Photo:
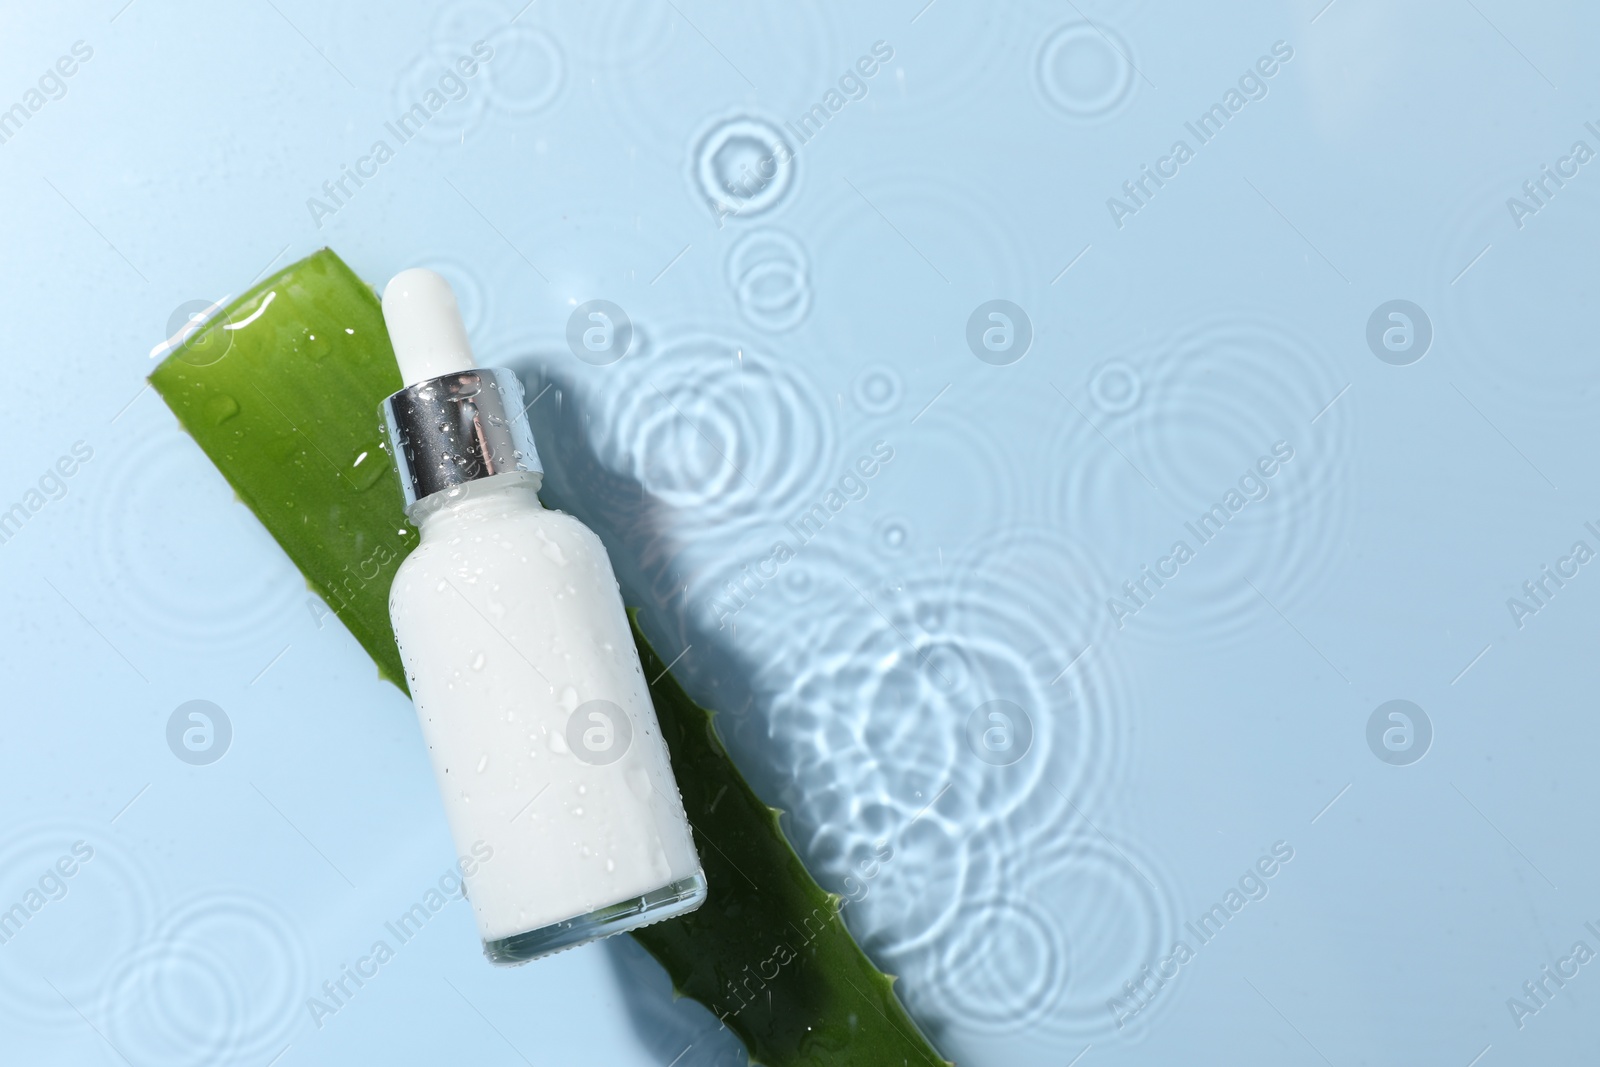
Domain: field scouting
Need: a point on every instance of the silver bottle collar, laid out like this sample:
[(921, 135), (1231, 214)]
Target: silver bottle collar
[(457, 428)]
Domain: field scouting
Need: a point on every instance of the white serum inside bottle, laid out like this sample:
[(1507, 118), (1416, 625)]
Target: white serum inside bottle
[(521, 663)]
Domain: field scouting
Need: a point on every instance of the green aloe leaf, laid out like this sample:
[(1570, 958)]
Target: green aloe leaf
[(281, 391)]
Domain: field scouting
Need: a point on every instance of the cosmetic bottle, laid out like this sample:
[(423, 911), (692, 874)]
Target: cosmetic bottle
[(521, 663)]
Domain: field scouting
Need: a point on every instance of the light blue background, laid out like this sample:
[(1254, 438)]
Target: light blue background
[(1229, 313)]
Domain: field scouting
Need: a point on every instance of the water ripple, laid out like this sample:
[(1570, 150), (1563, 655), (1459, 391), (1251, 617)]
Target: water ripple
[(527, 73), (1003, 968), (1210, 405), (872, 715), (768, 273), (742, 165), (1085, 71), (176, 1005), (221, 980), (1047, 943), (620, 34), (188, 583), (1522, 269), (106, 907), (1116, 911), (420, 77), (878, 390), (717, 432)]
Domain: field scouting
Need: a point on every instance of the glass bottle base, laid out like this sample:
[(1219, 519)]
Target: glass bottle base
[(670, 901)]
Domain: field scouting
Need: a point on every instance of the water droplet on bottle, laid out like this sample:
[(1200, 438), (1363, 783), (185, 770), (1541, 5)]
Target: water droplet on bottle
[(552, 550)]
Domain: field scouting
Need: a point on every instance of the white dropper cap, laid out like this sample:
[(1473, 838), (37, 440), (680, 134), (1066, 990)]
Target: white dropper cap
[(425, 326)]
